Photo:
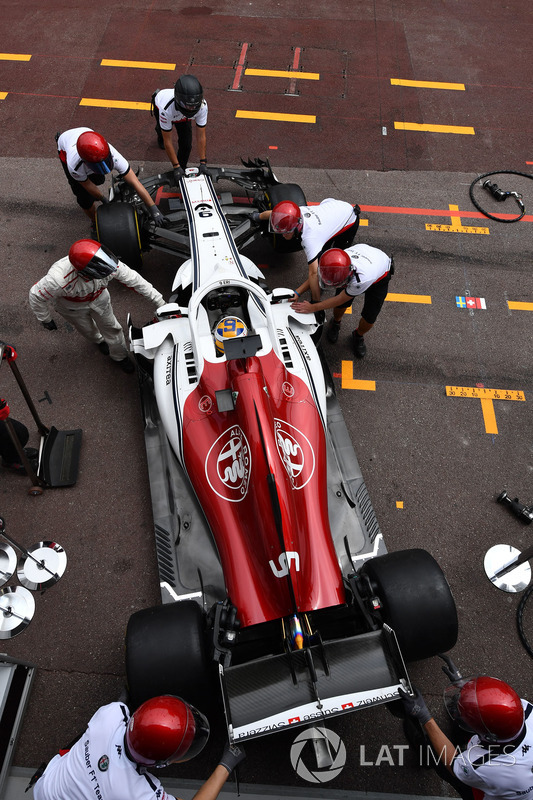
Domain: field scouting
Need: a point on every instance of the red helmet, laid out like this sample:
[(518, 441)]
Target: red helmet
[(166, 730), (94, 150), (334, 268), (486, 706), (286, 217), (92, 259)]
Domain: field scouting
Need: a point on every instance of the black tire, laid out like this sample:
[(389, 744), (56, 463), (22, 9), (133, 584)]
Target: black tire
[(166, 654), (117, 227), (416, 602), (275, 194)]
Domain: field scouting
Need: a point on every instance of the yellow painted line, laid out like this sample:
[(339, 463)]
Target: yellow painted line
[(109, 62), (275, 117), (348, 381), (515, 305), (483, 392), (279, 73), (487, 398), (93, 102), (3, 95), (14, 57), (415, 126), (489, 417), (409, 298), (456, 226), (399, 503), (458, 87)]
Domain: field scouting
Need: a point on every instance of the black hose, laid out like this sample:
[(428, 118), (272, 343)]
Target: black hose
[(487, 175), (519, 620)]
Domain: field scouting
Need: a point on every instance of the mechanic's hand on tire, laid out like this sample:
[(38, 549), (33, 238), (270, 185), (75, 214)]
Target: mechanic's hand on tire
[(157, 216), (232, 756), (179, 172), (50, 326), (415, 705)]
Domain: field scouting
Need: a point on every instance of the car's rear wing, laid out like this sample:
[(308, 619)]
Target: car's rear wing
[(308, 686)]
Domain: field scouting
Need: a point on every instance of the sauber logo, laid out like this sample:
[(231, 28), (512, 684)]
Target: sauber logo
[(228, 463), (285, 563), (295, 451)]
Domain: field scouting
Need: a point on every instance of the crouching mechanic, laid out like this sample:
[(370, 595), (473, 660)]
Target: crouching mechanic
[(87, 158), (111, 758), (497, 763), (332, 223), (76, 286), (360, 269), (178, 107)]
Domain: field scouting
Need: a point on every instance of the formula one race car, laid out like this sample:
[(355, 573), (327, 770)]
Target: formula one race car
[(278, 593), (124, 225)]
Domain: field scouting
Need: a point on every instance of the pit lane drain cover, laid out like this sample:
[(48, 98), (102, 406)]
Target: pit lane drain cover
[(8, 562), (42, 565), (17, 607)]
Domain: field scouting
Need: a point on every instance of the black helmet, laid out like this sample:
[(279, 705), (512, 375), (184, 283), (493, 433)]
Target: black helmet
[(188, 95)]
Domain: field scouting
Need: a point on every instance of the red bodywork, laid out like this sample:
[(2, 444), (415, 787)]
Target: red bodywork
[(274, 434)]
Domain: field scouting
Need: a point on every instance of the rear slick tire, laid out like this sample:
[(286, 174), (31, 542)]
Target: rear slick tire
[(416, 602)]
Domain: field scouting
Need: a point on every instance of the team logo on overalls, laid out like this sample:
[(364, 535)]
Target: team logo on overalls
[(103, 763)]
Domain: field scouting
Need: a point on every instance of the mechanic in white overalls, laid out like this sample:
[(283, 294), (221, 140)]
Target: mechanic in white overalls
[(332, 223), (497, 763), (87, 158), (360, 269), (110, 759), (179, 107), (76, 286)]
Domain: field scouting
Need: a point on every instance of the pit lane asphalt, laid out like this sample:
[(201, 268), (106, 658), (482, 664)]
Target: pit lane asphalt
[(416, 446)]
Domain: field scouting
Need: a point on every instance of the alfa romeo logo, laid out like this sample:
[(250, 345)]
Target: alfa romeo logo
[(303, 757), (228, 464)]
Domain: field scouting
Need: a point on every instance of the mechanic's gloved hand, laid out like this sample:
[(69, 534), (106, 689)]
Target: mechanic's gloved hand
[(157, 216), (203, 167), (415, 705), (179, 172), (233, 754), (450, 669), (50, 326), (4, 409), (254, 216)]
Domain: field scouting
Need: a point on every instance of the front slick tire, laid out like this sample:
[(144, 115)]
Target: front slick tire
[(117, 227)]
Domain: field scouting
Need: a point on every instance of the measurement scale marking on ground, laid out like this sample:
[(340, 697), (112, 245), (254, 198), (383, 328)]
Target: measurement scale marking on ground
[(485, 393), (486, 396)]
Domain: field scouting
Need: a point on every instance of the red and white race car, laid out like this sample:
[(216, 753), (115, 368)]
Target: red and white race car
[(278, 593)]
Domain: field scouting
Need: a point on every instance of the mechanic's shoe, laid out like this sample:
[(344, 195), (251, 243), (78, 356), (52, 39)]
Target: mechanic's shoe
[(103, 347), (359, 346), (333, 330), (160, 142), (127, 365)]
